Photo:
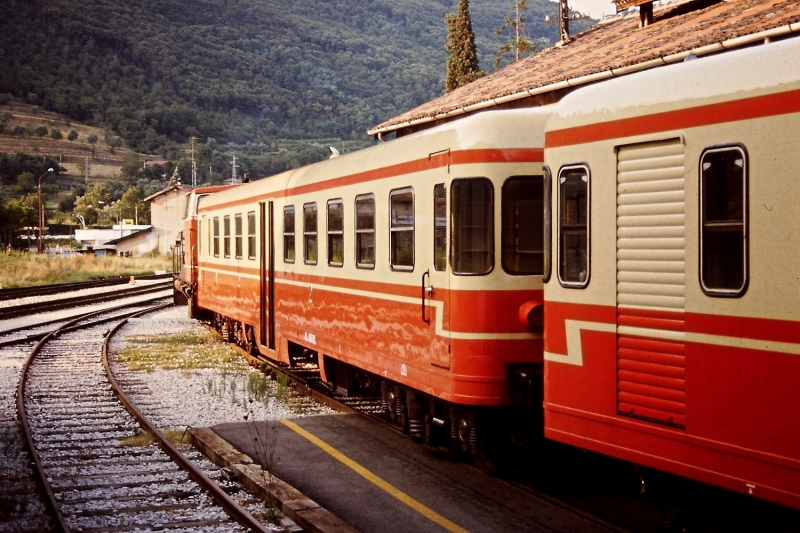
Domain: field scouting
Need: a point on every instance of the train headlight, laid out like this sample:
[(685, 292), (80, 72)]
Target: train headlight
[(531, 315)]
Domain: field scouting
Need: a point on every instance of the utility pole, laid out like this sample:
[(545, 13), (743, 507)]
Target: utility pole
[(86, 168), (194, 168), (234, 178)]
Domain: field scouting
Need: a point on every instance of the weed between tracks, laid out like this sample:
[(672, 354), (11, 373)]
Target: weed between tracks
[(175, 436), (178, 351)]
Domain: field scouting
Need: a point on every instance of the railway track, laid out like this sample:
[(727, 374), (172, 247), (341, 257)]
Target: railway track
[(83, 434), (74, 301), (60, 288)]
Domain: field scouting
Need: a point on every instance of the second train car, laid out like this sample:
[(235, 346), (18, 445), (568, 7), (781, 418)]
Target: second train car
[(410, 269)]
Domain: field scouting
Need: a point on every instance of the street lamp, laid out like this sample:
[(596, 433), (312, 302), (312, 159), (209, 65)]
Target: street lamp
[(41, 210)]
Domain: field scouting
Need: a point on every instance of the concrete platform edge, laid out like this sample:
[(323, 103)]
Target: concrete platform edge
[(305, 512)]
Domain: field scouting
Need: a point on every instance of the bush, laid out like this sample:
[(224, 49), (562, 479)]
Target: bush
[(55, 133), (40, 131), (72, 135)]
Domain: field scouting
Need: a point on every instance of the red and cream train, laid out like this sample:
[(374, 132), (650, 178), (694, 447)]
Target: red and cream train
[(653, 218)]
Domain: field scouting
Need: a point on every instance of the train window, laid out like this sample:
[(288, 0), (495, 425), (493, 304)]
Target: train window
[(472, 213), (401, 229), (216, 236), (440, 227), (723, 221), (226, 234), (365, 231), (523, 225), (237, 232), (573, 226), (251, 235), (310, 233), (288, 234), (335, 232)]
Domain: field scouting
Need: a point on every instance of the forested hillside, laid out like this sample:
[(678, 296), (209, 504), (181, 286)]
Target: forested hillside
[(248, 72)]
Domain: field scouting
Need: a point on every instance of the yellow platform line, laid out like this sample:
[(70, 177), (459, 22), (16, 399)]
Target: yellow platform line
[(369, 476)]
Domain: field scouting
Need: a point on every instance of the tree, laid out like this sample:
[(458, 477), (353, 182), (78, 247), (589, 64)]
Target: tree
[(91, 204), (462, 64), (92, 138), (55, 133), (72, 135), (519, 43), (40, 131)]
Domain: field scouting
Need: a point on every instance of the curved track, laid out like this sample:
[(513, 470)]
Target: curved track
[(59, 288), (82, 442)]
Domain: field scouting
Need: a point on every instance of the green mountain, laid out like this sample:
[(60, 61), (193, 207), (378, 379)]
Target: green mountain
[(237, 73)]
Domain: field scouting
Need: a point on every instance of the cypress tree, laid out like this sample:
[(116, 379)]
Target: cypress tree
[(462, 64)]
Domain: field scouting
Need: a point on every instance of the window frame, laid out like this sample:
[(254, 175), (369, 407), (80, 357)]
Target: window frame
[(437, 249), (216, 237), (721, 292), (251, 235), (503, 235), (333, 234), (289, 235), (308, 235), (454, 227), (238, 242), (226, 236), (402, 229), (365, 231), (569, 284)]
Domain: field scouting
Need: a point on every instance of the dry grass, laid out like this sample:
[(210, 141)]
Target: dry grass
[(145, 438), (21, 269), (179, 351)]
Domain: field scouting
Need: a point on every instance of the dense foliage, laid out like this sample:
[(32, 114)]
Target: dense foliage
[(156, 72)]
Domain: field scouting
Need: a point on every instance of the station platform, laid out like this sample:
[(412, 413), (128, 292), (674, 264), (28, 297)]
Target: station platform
[(344, 473)]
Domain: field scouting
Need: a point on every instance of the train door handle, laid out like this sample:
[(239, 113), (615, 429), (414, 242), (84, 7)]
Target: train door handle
[(427, 290)]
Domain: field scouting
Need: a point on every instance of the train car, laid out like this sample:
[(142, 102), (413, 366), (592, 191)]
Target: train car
[(410, 269), (672, 333)]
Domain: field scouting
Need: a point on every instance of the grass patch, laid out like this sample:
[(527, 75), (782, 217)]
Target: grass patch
[(22, 269), (140, 439), (175, 436), (178, 351)]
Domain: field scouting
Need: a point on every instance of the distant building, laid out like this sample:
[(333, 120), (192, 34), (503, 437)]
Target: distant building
[(137, 243), (167, 211), (104, 239)]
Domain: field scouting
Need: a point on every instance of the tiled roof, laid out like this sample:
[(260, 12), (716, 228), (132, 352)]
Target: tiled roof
[(615, 46)]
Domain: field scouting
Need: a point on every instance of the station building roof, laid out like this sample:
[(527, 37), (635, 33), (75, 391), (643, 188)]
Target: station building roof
[(615, 46)]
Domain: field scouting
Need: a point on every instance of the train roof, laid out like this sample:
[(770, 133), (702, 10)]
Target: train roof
[(729, 76), (506, 129), (615, 46)]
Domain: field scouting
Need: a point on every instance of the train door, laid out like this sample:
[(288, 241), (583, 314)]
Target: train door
[(651, 244), (436, 283), (267, 274)]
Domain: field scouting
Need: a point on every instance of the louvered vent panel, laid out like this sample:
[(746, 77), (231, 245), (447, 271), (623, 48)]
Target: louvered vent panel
[(651, 282)]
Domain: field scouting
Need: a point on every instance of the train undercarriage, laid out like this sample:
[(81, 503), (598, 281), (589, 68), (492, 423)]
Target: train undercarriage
[(493, 437)]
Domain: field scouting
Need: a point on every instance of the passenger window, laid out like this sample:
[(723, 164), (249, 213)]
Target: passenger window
[(226, 231), (251, 235), (216, 236), (440, 227), (472, 212), (402, 229), (310, 233), (237, 231), (573, 226), (365, 231), (288, 234), (335, 232), (723, 221), (523, 225)]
